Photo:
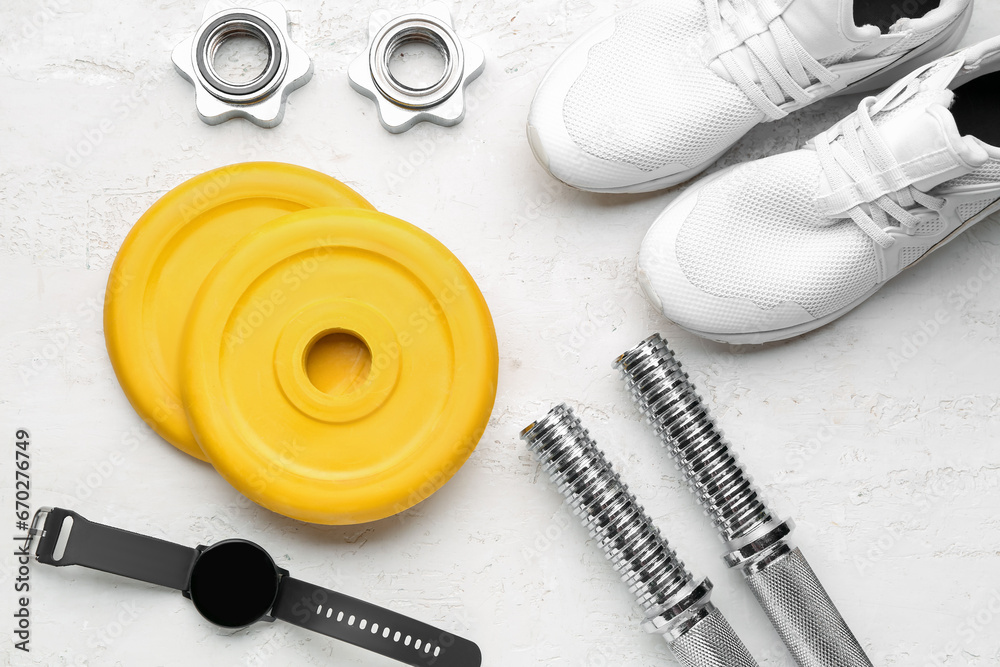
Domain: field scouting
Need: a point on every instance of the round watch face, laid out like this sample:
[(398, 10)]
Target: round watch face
[(234, 583)]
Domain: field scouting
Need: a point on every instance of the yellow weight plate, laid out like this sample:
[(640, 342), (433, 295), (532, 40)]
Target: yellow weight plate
[(164, 260), (341, 366)]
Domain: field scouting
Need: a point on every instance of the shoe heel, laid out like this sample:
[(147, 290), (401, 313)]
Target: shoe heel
[(940, 46)]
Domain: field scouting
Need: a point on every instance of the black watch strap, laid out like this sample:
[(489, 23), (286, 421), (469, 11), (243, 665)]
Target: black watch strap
[(371, 627), (113, 550)]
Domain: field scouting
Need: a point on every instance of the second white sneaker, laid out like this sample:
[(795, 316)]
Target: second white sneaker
[(774, 248), (653, 96)]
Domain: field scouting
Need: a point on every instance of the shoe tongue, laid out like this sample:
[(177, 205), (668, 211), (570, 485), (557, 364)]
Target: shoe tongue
[(826, 28), (924, 138)]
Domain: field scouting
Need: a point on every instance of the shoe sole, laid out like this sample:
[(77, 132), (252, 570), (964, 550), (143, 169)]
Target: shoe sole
[(775, 335), (944, 44)]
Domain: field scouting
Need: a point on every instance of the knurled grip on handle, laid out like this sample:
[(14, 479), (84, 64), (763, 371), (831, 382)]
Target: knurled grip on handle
[(711, 642), (804, 615)]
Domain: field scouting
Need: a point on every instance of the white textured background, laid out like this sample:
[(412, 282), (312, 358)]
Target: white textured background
[(878, 433)]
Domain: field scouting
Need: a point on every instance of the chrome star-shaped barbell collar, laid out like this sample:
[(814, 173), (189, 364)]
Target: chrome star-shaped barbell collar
[(400, 107), (261, 100)]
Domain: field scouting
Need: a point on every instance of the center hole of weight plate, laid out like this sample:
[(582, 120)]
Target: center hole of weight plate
[(240, 55), (418, 59), (338, 363)]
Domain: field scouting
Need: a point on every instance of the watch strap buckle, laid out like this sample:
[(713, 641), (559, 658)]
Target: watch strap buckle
[(46, 525)]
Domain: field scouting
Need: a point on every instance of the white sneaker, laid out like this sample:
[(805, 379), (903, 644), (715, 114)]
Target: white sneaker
[(774, 248), (656, 94)]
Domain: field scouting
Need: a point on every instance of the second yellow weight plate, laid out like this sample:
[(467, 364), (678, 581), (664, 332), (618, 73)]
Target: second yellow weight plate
[(341, 366), (165, 258)]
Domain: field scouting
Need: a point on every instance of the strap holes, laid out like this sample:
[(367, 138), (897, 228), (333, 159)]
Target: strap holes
[(397, 636), (64, 530), (374, 628), (363, 624), (329, 612), (416, 644), (319, 609), (340, 617), (385, 633), (350, 621), (437, 651), (408, 640), (427, 648)]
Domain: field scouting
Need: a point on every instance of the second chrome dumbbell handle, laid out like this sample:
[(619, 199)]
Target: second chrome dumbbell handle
[(676, 604), (759, 544)]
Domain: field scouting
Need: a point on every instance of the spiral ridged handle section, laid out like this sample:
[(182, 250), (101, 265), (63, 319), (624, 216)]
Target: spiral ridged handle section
[(665, 395), (675, 604), (778, 574)]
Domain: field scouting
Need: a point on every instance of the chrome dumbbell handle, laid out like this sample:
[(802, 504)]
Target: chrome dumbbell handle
[(759, 544), (676, 605)]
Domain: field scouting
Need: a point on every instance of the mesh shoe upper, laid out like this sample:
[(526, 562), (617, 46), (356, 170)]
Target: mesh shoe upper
[(616, 111), (758, 252), (650, 97), (756, 235)]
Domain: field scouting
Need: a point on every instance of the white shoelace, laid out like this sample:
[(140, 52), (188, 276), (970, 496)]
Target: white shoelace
[(788, 74), (848, 163)]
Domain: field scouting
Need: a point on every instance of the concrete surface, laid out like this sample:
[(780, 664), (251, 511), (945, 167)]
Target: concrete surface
[(878, 433)]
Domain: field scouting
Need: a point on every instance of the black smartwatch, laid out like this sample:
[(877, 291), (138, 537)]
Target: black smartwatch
[(234, 583)]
